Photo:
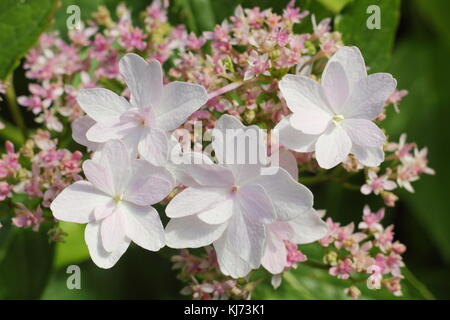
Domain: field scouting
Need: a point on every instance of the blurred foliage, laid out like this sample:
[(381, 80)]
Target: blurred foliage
[(422, 221), (21, 23)]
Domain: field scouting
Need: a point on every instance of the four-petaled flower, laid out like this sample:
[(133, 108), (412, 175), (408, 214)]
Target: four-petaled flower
[(334, 118), (115, 204), (153, 112)]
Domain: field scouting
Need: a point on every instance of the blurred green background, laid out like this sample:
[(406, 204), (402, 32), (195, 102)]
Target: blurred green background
[(413, 44)]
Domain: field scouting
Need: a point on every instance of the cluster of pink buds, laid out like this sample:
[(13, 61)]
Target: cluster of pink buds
[(39, 170), (408, 164), (371, 250), (204, 279)]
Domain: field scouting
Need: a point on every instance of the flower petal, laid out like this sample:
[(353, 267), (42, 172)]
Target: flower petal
[(145, 80), (154, 146), (286, 160), (191, 232), (194, 200), (308, 227), (295, 139), (179, 100), (364, 132), (256, 204), (274, 258), (289, 197), (148, 184), (112, 129), (369, 157), (212, 175), (352, 62), (219, 213), (99, 255), (302, 93), (334, 82), (101, 104), (332, 147), (99, 176), (77, 202), (144, 226), (112, 230), (79, 130), (310, 121), (246, 237), (368, 96), (180, 166), (230, 262), (115, 160)]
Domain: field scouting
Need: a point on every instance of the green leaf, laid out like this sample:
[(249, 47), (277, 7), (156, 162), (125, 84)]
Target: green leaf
[(25, 265), (21, 23), (376, 44)]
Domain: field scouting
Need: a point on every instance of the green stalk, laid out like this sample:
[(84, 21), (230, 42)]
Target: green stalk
[(14, 107)]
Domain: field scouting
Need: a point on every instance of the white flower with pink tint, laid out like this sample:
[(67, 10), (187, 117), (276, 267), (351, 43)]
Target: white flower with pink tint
[(334, 117), (154, 110), (115, 203), (229, 204), (377, 184)]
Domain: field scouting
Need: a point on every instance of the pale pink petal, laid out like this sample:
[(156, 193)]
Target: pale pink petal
[(194, 200), (112, 230), (179, 100), (99, 176), (145, 80), (115, 159), (144, 226), (364, 133), (180, 167), (352, 62), (154, 146), (308, 227), (390, 185), (110, 130), (79, 130), (99, 255), (275, 254), (368, 96), (289, 197), (295, 139), (77, 202), (311, 121), (255, 203), (101, 104), (191, 232), (286, 160), (246, 237), (212, 175), (332, 147), (336, 86), (218, 213), (369, 157), (230, 262), (302, 93), (148, 184)]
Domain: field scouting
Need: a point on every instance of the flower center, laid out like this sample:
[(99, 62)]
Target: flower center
[(118, 198), (234, 189), (338, 118)]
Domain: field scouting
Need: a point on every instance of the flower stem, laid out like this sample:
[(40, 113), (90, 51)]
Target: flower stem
[(14, 107), (227, 88)]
